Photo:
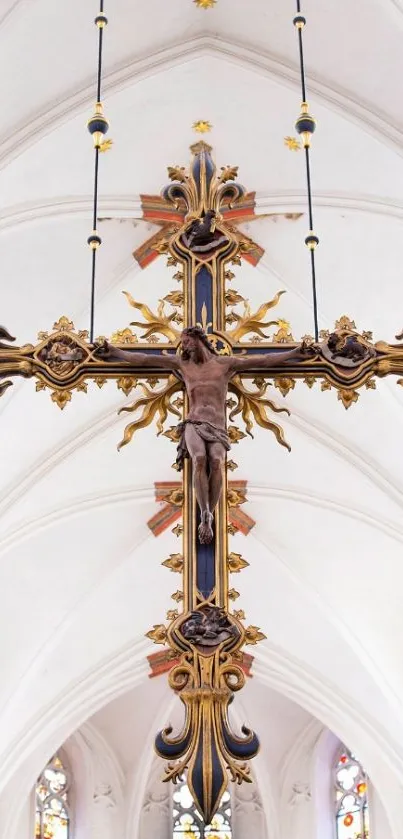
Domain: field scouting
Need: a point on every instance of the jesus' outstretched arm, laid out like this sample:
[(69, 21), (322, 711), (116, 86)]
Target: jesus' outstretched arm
[(264, 362), (108, 352)]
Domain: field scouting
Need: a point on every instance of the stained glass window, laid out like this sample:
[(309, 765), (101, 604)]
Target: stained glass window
[(188, 823), (351, 792), (52, 820)]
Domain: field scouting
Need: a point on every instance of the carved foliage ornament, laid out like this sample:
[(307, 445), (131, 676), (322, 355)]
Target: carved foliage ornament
[(198, 215)]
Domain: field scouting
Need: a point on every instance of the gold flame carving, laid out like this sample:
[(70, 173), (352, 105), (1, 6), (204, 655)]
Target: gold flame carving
[(153, 403)]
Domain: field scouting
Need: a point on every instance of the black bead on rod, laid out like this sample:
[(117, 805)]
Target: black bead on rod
[(98, 126), (305, 127)]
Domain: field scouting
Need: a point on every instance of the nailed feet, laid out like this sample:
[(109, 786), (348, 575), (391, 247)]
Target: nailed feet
[(206, 528)]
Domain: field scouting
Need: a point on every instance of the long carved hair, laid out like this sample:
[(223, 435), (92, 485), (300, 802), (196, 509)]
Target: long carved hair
[(199, 333)]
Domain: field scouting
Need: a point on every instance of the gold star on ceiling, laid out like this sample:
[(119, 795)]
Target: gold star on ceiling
[(292, 143), (202, 126), (205, 4)]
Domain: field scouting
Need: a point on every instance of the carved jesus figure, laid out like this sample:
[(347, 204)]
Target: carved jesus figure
[(203, 434)]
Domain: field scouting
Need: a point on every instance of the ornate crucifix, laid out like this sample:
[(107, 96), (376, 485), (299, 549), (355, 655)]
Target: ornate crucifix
[(197, 349)]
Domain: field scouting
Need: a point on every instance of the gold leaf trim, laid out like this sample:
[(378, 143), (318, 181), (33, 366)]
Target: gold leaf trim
[(284, 385), (124, 336), (177, 530), (126, 383), (236, 563), (253, 635), (61, 398), (348, 397), (175, 298), (158, 634), (235, 434), (174, 563), (236, 497), (175, 497)]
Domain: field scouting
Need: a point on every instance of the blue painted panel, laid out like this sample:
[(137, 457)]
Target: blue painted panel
[(204, 294), (205, 573)]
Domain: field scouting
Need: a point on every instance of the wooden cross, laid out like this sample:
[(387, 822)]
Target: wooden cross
[(207, 635)]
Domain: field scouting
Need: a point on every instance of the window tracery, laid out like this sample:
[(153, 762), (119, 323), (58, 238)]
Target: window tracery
[(188, 823), (52, 817), (351, 797)]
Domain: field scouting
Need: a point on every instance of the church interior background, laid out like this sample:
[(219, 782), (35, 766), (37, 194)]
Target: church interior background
[(84, 530)]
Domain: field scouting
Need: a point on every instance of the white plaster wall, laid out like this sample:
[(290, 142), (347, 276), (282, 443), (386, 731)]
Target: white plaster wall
[(26, 821)]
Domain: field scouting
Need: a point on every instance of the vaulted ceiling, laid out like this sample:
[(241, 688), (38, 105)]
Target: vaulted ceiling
[(80, 574)]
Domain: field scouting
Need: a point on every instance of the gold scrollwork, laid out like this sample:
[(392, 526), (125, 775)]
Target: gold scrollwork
[(206, 678)]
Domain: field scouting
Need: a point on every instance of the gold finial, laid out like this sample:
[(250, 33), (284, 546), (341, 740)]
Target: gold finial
[(205, 4), (202, 126)]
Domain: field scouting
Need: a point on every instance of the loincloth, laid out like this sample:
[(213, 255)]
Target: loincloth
[(207, 431)]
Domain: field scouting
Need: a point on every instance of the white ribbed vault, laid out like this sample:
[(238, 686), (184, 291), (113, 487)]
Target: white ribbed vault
[(80, 572)]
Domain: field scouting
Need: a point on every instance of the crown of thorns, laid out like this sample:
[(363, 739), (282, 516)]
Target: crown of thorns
[(198, 332)]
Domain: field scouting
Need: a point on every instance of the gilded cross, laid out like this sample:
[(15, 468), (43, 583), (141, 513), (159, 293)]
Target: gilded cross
[(198, 214)]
